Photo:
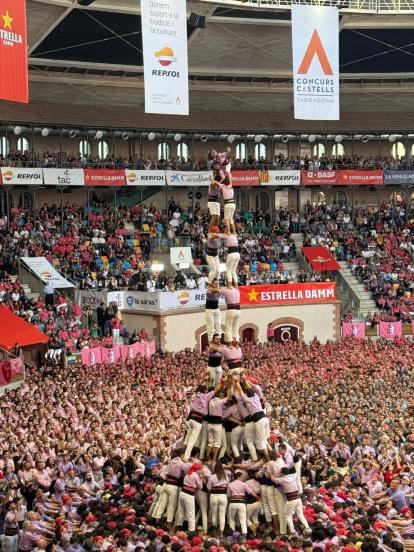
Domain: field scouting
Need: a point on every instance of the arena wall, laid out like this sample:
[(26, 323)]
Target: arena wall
[(176, 330)]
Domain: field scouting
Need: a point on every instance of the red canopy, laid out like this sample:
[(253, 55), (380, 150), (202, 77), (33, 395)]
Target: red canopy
[(15, 330), (320, 258)]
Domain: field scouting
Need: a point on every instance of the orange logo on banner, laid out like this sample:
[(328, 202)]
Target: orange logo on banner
[(181, 255), (165, 56), (178, 101), (315, 47)]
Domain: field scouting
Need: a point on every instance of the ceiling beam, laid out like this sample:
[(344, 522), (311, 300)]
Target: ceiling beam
[(210, 86), (209, 71), (49, 29)]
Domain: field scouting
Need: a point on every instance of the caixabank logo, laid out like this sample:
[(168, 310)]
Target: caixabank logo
[(165, 58)]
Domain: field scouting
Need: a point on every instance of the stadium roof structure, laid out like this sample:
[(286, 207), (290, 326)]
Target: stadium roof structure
[(240, 61)]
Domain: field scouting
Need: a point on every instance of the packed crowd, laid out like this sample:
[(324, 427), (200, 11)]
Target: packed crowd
[(379, 248), (142, 457)]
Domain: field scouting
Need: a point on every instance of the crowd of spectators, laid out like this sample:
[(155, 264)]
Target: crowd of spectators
[(84, 451), (54, 159), (378, 244)]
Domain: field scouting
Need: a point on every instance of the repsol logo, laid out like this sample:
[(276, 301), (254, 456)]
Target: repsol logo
[(161, 73)]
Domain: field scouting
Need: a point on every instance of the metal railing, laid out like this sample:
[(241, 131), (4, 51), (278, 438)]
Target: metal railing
[(345, 6)]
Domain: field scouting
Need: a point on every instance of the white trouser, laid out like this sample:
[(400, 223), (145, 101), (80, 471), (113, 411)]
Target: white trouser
[(232, 262), (186, 510), (298, 468), (156, 502), (280, 509), (252, 513), (214, 208), (193, 432), (10, 543), (215, 433), (232, 325), (265, 503), (260, 433), (168, 499), (214, 265), (229, 209), (237, 436), (238, 510), (202, 439), (213, 323), (249, 436), (225, 443), (202, 500), (115, 335), (218, 505), (294, 507), (214, 375)]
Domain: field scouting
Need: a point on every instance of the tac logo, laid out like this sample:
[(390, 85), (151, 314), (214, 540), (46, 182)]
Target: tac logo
[(130, 301), (8, 175), (165, 56), (183, 298), (132, 177), (46, 274), (315, 48), (178, 101)]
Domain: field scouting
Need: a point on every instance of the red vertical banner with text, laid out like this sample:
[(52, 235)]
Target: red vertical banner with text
[(14, 85)]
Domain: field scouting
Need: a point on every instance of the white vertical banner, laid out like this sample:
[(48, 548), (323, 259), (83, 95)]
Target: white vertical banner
[(164, 38), (315, 46)]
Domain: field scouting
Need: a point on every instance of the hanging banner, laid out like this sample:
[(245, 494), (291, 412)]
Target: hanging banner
[(279, 178), (164, 39), (129, 351), (142, 301), (27, 177), (91, 356), (367, 178), (316, 292), (390, 329), (14, 84), (146, 348), (103, 177), (188, 178), (321, 178), (110, 355), (63, 177), (5, 373), (320, 258), (180, 255), (357, 330), (144, 178), (398, 177), (245, 178), (46, 272), (92, 299), (315, 46)]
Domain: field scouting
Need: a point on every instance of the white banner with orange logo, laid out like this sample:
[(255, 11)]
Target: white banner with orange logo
[(21, 175), (46, 272), (315, 45), (144, 178), (164, 39)]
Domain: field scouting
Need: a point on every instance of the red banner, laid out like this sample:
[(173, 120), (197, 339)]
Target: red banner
[(362, 177), (321, 178), (320, 258), (5, 372), (316, 292), (103, 177), (245, 178), (14, 85), (16, 365)]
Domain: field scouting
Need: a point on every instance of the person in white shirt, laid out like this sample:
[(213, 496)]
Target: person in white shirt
[(151, 284), (191, 283), (202, 282)]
